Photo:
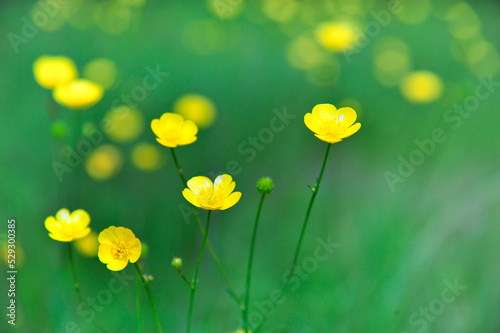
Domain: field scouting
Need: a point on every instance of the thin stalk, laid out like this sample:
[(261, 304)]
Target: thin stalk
[(314, 190), (250, 261), (77, 284), (73, 273), (150, 297), (195, 278), (209, 245), (184, 277)]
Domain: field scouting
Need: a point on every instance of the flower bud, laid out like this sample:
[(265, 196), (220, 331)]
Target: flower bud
[(148, 278), (265, 185), (177, 263)]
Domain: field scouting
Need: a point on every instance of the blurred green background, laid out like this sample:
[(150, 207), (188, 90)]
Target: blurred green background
[(400, 244)]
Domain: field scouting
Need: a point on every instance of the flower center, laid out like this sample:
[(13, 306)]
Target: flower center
[(210, 197), (120, 251), (334, 128), (173, 134)]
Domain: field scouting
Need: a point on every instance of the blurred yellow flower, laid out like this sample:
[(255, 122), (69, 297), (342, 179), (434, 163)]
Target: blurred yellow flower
[(126, 124), (102, 71), (336, 36), (65, 227), (104, 162), (217, 196), (52, 71), (118, 246), (172, 130), (147, 157), (78, 94), (421, 87), (197, 108), (331, 125), (88, 245)]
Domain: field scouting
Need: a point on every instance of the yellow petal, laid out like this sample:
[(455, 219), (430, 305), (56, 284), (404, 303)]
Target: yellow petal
[(81, 218), (346, 116), (156, 127), (117, 265), (186, 141), (328, 138), (63, 216), (51, 224), (105, 253), (135, 251), (124, 234), (81, 234), (189, 129), (197, 184), (231, 200), (168, 143), (171, 120), (108, 236), (312, 122), (224, 185), (325, 112), (351, 130), (61, 237), (191, 197)]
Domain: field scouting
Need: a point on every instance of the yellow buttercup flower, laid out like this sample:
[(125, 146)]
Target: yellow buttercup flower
[(217, 196), (172, 130), (78, 94), (52, 71), (118, 246), (332, 125), (66, 226)]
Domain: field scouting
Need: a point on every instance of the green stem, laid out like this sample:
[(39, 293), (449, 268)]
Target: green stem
[(77, 284), (209, 245), (195, 278), (250, 261), (138, 309), (150, 297), (184, 278), (314, 190), (178, 167), (73, 273)]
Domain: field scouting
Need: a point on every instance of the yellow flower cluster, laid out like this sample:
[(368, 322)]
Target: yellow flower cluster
[(60, 74)]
